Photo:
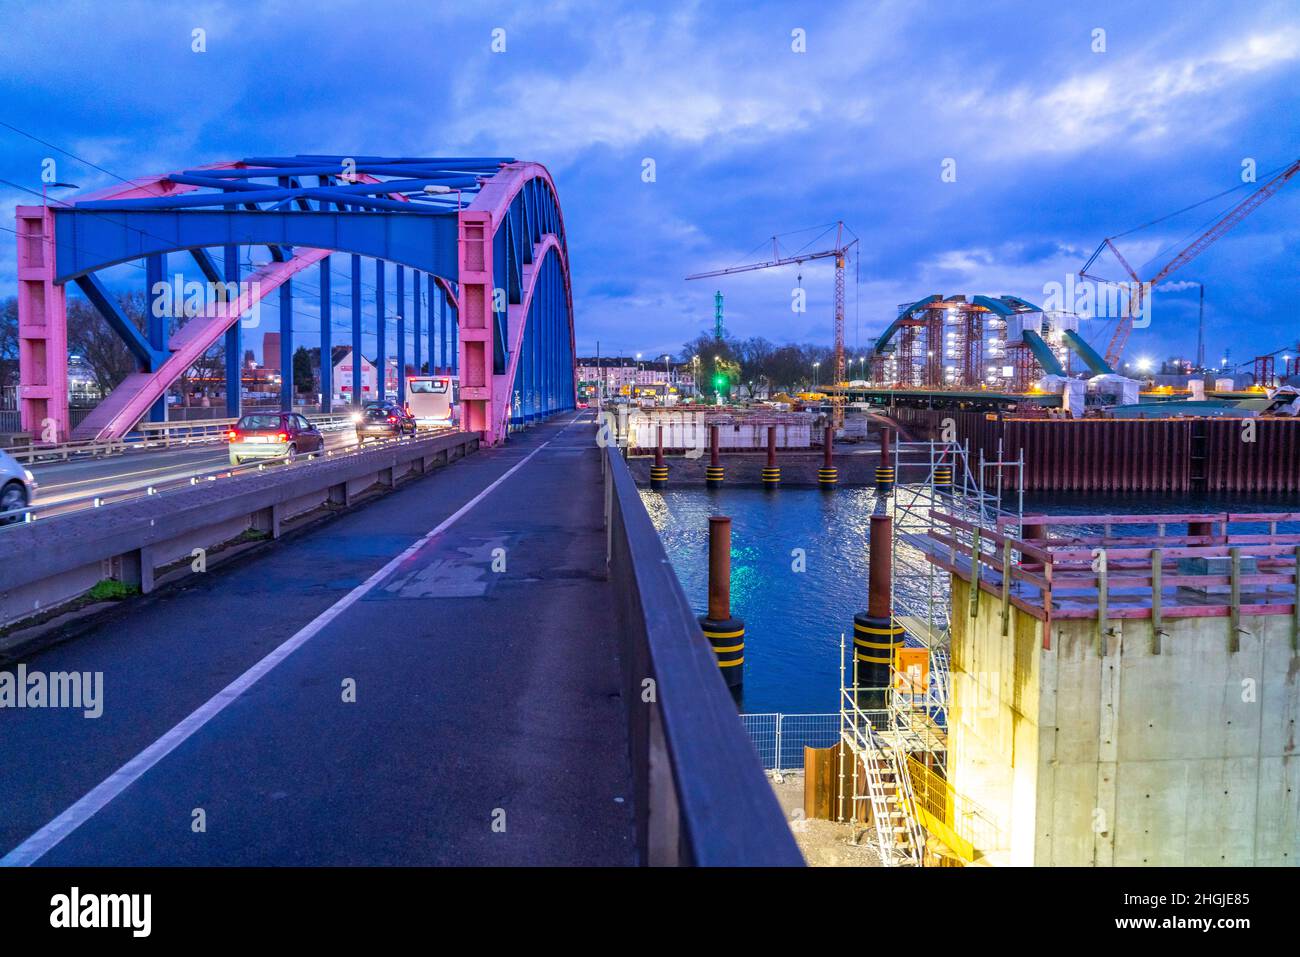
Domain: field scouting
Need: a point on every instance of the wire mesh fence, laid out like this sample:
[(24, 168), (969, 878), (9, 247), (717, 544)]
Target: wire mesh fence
[(780, 739)]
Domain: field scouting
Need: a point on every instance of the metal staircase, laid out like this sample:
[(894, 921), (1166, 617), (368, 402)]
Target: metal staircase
[(899, 838)]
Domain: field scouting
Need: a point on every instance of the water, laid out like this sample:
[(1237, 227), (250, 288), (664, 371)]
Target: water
[(794, 619)]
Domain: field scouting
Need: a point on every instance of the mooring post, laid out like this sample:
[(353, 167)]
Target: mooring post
[(885, 468), (713, 472), (659, 471), (875, 636), (828, 475), (771, 471), (725, 634)]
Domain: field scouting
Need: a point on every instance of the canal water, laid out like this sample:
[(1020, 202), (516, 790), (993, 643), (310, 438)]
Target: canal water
[(794, 618)]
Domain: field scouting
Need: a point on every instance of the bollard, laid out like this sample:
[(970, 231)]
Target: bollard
[(828, 475), (725, 634), (876, 638), (713, 472), (885, 470), (659, 471), (771, 471), (943, 479)]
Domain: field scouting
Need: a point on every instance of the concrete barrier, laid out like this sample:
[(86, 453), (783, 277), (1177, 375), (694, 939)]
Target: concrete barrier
[(47, 563), (701, 797)]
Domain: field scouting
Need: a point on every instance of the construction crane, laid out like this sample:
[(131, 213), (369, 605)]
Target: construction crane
[(838, 252), (1185, 255)]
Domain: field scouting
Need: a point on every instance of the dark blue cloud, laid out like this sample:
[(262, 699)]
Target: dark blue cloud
[(1055, 145)]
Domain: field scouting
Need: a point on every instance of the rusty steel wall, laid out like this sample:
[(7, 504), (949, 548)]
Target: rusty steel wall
[(1129, 455)]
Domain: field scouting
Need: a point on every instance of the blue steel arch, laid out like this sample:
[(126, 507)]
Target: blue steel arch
[(543, 382)]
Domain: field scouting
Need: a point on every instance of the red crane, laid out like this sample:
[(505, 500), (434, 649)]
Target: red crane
[(839, 251), (1141, 288)]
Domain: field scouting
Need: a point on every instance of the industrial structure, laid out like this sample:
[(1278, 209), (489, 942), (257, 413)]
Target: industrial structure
[(482, 238), (839, 251), (1079, 690), (978, 342)]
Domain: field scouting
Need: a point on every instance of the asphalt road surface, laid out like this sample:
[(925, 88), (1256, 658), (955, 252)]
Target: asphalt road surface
[(468, 611)]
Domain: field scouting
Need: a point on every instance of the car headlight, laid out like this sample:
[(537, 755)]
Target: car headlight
[(31, 479), (356, 416)]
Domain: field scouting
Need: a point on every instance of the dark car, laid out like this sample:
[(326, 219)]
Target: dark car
[(383, 420), (273, 435)]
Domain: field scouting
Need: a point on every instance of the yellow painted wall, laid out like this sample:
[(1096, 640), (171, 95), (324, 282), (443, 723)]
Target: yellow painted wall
[(1187, 757)]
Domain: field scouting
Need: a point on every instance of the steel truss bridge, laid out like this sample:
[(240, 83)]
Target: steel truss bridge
[(476, 245)]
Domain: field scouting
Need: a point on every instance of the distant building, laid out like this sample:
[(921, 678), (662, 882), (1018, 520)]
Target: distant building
[(621, 375), (343, 377), (271, 351)]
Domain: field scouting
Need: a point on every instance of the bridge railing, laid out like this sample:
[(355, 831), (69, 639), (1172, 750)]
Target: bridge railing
[(153, 435), (701, 797)]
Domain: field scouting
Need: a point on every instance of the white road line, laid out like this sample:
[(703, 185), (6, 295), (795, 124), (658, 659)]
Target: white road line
[(40, 843)]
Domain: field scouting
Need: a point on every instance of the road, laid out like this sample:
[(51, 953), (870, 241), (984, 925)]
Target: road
[(487, 726), (135, 470)]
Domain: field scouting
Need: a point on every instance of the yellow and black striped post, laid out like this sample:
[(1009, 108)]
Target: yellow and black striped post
[(828, 475), (726, 634), (943, 479), (875, 636), (771, 471), (885, 470), (713, 472), (659, 471)]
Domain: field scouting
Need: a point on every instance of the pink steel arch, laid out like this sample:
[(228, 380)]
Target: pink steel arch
[(485, 397)]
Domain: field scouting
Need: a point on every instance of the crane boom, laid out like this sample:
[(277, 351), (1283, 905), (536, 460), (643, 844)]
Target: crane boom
[(1185, 255)]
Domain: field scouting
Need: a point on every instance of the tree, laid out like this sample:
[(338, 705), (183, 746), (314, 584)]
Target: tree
[(304, 376), (9, 342), (109, 359)]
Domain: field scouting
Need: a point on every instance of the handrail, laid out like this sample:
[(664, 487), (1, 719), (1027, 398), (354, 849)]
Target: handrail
[(148, 435), (32, 511)]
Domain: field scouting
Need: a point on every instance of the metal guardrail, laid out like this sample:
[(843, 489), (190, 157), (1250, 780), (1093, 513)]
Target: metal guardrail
[(700, 794), (151, 435), (13, 517), (780, 738)]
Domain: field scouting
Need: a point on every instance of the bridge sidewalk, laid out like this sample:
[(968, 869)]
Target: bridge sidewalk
[(487, 726)]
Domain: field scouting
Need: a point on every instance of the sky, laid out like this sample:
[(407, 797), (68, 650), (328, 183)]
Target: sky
[(971, 148)]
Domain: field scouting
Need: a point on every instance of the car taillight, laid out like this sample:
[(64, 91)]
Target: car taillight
[(392, 418), (232, 435), (283, 436)]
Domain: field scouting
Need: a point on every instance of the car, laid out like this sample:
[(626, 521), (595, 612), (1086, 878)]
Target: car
[(383, 420), (17, 489), (273, 435)]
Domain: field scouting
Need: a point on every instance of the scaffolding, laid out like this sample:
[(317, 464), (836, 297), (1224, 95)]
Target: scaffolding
[(901, 751)]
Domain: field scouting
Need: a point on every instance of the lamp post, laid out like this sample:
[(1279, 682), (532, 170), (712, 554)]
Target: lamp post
[(816, 375), (45, 186)]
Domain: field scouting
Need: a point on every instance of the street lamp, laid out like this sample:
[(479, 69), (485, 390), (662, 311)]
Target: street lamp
[(58, 185), (816, 375)]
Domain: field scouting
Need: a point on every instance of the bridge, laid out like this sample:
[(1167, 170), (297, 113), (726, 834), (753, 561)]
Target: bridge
[(482, 236), (465, 646)]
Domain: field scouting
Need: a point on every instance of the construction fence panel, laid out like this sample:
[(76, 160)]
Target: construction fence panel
[(780, 739)]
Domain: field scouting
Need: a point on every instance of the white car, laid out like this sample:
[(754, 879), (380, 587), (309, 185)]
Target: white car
[(17, 488)]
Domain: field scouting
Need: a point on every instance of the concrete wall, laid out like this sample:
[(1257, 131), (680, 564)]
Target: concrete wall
[(1185, 757), (53, 561)]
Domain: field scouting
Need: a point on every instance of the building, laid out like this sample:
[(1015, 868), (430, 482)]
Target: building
[(343, 377), (271, 351), (621, 375)]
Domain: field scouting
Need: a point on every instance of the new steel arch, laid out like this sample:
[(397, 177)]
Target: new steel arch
[(485, 233)]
